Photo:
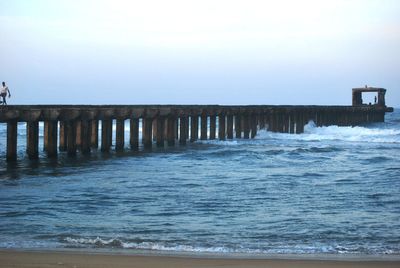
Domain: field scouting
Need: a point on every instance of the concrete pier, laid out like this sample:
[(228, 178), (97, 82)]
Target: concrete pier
[(238, 126), (229, 126), (68, 128), (32, 135), (213, 126), (106, 135), (221, 126), (51, 138), (120, 135), (204, 125), (12, 134), (183, 130)]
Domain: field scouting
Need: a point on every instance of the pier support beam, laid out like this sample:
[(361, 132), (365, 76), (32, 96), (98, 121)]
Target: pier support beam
[(204, 127), (63, 137), (222, 126), (183, 129), (134, 134), (299, 122), (94, 140), (291, 123), (246, 126), (194, 128), (106, 135), (45, 135), (120, 135), (78, 134), (70, 128), (147, 132), (171, 130), (12, 134), (213, 126), (32, 129), (238, 126), (85, 137), (50, 138), (160, 130), (229, 127), (253, 125), (285, 119)]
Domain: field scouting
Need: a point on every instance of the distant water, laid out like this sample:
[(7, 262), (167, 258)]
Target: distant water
[(330, 190)]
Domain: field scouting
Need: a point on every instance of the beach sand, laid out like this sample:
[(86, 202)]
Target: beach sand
[(49, 259)]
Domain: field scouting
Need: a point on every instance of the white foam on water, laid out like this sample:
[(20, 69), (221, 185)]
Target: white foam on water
[(350, 134), (274, 249)]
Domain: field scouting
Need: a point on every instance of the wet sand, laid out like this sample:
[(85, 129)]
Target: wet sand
[(50, 259)]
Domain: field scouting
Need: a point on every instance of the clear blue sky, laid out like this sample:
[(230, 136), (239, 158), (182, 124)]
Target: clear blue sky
[(198, 52)]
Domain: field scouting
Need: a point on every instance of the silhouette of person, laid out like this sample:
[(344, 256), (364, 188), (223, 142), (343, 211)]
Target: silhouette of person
[(375, 100), (3, 93)]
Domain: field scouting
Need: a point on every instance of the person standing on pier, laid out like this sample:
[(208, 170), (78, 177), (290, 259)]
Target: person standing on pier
[(3, 93)]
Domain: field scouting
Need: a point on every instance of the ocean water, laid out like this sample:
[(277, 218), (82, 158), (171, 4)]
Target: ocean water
[(332, 190)]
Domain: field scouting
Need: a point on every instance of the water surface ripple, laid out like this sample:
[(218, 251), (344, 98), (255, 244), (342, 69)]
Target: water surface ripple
[(329, 190)]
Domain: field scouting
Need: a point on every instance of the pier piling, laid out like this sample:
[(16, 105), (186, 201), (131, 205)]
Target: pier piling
[(203, 120), (213, 126), (12, 135), (32, 129)]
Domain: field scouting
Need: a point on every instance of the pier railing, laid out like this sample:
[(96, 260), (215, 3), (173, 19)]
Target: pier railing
[(76, 128)]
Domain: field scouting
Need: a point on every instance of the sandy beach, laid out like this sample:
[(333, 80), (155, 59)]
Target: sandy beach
[(49, 259)]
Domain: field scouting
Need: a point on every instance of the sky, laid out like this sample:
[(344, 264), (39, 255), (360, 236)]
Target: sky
[(198, 52)]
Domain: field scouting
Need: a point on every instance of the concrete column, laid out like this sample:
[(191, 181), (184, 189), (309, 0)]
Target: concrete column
[(51, 138), (222, 126), (12, 134), (63, 137), (238, 126), (45, 135), (120, 135), (291, 123), (134, 134), (110, 134), (213, 126), (204, 127), (280, 122), (159, 132), (229, 128), (171, 131), (70, 128), (285, 118), (253, 125), (194, 128), (78, 134), (299, 122), (85, 136), (106, 132), (147, 133), (155, 129), (272, 123), (176, 128), (261, 120), (246, 126), (94, 140), (32, 132), (183, 123)]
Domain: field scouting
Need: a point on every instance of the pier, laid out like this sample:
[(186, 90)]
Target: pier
[(73, 129)]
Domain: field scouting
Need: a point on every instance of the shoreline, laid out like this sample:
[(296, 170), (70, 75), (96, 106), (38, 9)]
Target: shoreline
[(24, 258), (213, 255)]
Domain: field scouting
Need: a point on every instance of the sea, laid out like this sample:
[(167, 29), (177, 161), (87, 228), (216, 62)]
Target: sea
[(331, 190)]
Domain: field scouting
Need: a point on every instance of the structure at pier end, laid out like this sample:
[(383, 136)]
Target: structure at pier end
[(379, 101), (83, 128)]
